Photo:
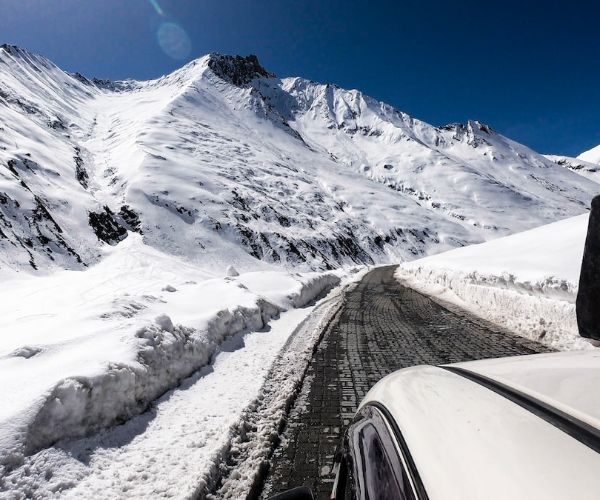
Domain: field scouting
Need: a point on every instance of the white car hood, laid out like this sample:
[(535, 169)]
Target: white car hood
[(569, 381), (470, 443)]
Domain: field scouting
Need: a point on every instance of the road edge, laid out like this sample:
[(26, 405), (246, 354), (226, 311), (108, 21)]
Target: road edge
[(245, 464)]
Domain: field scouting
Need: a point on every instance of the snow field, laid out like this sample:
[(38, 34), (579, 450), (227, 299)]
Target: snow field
[(285, 171)]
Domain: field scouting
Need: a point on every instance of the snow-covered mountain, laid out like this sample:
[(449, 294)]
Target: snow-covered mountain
[(222, 162), (591, 156), (585, 168)]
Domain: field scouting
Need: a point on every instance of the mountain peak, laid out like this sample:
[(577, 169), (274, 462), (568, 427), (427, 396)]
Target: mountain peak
[(477, 125), (16, 51), (11, 49), (10, 52), (19, 52), (239, 70)]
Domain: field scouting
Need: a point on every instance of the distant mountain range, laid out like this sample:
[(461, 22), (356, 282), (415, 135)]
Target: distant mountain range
[(221, 162)]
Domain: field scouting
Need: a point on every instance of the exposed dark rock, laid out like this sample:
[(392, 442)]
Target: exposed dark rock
[(106, 227), (41, 213), (81, 78), (80, 171), (56, 124), (11, 164), (237, 69), (34, 232), (116, 86), (248, 238), (11, 49), (239, 201), (129, 218)]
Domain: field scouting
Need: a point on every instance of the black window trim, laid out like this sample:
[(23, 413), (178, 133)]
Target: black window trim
[(408, 463)]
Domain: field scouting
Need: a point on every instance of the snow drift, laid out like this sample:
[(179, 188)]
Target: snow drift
[(82, 351), (180, 446)]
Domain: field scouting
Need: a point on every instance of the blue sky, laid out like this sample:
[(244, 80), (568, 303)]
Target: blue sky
[(531, 69)]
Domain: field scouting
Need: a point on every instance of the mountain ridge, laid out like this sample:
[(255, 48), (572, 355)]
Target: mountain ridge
[(222, 161)]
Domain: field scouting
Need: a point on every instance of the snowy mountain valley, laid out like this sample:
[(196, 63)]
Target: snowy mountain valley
[(162, 241), (222, 163)]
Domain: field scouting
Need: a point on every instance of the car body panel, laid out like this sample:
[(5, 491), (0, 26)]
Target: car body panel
[(568, 381), (468, 442)]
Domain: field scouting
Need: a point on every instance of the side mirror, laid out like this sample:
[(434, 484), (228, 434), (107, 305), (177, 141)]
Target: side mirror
[(588, 296), (300, 493)]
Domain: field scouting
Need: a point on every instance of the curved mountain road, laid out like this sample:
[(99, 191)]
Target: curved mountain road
[(381, 327)]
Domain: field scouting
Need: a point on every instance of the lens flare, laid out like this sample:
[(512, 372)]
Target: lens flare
[(157, 7), (174, 41)]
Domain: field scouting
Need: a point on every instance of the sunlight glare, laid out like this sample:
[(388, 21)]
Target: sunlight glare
[(174, 41), (157, 7)]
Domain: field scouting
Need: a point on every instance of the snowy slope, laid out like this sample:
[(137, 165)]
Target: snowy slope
[(591, 156), (465, 173), (527, 281), (585, 168), (221, 158)]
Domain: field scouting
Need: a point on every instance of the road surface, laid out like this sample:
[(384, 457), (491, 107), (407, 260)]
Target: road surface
[(382, 326)]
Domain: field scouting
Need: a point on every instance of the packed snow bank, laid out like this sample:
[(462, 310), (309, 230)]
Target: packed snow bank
[(84, 350), (526, 282), (181, 446), (173, 450)]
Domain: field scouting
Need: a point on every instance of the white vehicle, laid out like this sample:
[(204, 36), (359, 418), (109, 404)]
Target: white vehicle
[(525, 427)]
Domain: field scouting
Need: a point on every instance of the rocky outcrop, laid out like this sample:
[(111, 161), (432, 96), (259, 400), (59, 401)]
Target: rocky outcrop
[(238, 70)]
